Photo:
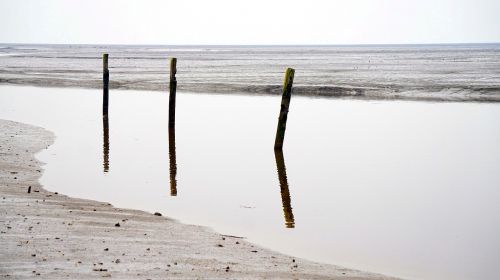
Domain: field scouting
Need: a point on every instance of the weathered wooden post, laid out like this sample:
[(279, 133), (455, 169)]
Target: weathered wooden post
[(173, 88), (172, 161), (285, 192), (105, 121), (105, 86), (285, 104)]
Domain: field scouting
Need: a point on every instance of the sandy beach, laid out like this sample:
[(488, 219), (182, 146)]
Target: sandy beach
[(53, 236)]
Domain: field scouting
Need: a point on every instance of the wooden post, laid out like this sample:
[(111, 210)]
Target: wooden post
[(172, 161), (105, 86), (285, 193), (285, 104), (173, 88)]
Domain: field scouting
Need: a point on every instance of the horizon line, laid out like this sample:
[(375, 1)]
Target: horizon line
[(257, 45)]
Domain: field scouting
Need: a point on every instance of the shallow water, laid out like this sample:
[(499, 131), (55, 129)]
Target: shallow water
[(409, 189)]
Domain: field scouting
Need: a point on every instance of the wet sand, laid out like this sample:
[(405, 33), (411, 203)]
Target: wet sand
[(52, 236)]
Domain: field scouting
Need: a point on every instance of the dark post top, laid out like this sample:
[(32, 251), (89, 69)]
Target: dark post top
[(105, 62), (285, 104), (173, 68), (173, 89), (105, 84), (288, 81)]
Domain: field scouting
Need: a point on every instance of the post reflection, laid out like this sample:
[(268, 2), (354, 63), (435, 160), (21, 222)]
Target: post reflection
[(105, 145), (285, 193), (173, 162)]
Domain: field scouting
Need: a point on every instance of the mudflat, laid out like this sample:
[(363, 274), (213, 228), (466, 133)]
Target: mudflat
[(457, 72)]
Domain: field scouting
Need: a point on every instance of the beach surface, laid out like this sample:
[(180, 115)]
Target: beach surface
[(53, 236)]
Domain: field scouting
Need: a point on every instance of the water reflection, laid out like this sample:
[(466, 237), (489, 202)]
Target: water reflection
[(172, 160), (285, 193), (105, 145)]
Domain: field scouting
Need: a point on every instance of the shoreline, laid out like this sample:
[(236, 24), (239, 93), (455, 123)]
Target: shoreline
[(50, 235)]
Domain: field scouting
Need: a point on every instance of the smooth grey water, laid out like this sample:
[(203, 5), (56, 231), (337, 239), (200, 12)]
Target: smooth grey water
[(409, 189), (430, 72)]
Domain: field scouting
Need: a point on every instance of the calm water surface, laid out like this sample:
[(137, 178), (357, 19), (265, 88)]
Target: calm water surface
[(409, 189)]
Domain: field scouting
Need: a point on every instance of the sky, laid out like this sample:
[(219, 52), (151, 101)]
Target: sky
[(221, 22)]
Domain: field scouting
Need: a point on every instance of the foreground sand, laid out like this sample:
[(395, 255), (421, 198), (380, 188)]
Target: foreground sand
[(47, 235)]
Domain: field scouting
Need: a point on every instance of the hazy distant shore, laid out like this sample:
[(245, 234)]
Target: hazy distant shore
[(437, 73), (49, 235)]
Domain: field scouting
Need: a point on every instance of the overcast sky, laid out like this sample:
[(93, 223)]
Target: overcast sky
[(249, 22)]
